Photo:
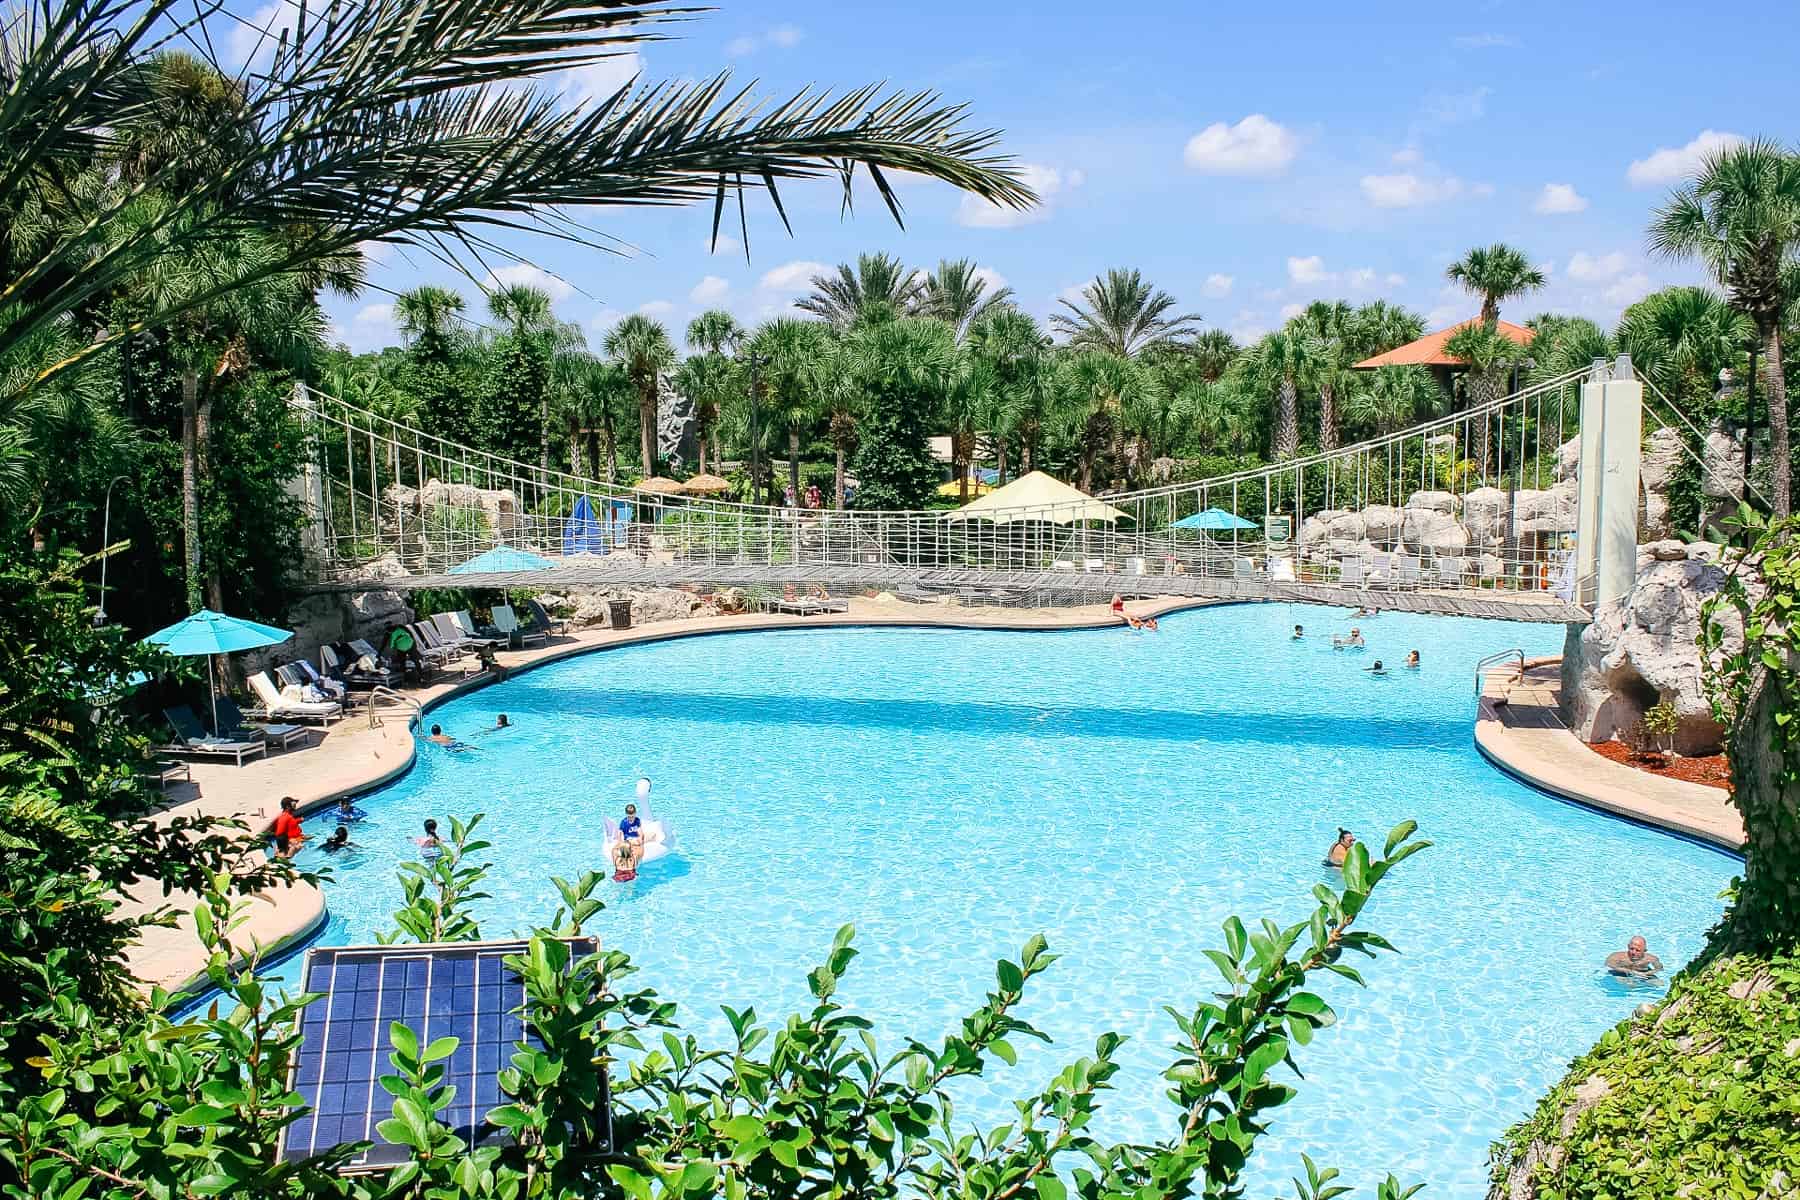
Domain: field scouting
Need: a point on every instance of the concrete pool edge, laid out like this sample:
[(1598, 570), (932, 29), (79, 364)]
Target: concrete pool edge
[(1517, 731), (285, 917)]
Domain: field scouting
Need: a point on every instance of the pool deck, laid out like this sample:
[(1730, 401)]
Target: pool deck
[(1521, 735), (352, 756), (1517, 727)]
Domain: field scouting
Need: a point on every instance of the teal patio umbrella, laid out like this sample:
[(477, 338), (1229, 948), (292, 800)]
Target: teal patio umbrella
[(500, 560), (210, 633), (1214, 519)]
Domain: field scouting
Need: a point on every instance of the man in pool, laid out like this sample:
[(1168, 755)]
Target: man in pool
[(288, 832), (1299, 632), (1635, 961), (348, 812), (1340, 849), (440, 738), (339, 840), (1412, 660), (1377, 669), (1355, 639)]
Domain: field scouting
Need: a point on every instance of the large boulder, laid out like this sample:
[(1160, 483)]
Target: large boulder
[(1552, 510), (1442, 502), (1429, 529), (1568, 458), (1643, 649), (1662, 457), (1382, 522), (500, 506), (592, 606), (1349, 526)]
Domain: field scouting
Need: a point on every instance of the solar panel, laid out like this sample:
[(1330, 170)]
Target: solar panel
[(461, 990)]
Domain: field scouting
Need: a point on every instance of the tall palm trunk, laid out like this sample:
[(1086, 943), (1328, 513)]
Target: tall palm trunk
[(1000, 459), (190, 484), (647, 425), (593, 450), (794, 460), (203, 410), (1328, 426), (1028, 435), (1287, 420), (544, 436), (1486, 388), (1775, 388), (843, 438), (572, 430), (611, 442), (962, 456)]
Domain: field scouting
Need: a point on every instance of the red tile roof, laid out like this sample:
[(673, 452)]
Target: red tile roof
[(1428, 351)]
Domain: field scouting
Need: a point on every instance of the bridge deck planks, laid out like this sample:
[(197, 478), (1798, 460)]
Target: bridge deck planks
[(1503, 606)]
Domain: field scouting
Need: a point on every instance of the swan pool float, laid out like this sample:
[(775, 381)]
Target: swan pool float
[(658, 835)]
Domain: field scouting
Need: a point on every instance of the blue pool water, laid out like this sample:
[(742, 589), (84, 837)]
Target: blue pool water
[(952, 793)]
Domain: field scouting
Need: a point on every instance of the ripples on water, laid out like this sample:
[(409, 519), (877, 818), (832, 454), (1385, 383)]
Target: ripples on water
[(952, 793)]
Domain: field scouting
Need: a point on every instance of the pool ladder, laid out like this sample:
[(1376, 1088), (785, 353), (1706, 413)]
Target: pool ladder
[(378, 695), (1494, 660)]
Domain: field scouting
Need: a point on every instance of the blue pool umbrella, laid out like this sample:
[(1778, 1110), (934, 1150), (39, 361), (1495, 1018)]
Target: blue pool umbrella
[(1215, 519), (210, 633), (502, 559), (581, 532)]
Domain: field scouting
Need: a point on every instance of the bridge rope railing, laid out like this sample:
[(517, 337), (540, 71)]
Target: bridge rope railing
[(1455, 502)]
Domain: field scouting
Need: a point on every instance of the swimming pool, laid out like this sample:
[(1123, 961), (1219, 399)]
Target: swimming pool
[(954, 792)]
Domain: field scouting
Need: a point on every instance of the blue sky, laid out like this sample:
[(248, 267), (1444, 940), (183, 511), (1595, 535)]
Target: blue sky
[(1247, 158)]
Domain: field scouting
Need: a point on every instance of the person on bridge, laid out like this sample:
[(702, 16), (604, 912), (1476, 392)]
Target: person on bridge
[(1635, 961)]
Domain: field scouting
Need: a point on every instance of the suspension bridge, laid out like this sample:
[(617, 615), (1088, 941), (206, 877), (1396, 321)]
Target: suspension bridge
[(1525, 508)]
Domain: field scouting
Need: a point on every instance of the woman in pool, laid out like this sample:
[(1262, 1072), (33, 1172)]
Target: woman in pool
[(1377, 669), (1412, 660), (430, 847), (339, 840), (1299, 633), (1340, 849)]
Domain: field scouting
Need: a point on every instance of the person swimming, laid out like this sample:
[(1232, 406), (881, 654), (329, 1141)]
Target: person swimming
[(440, 738), (502, 723), (1363, 614), (1340, 849), (431, 847), (347, 811), (1377, 669), (1299, 632), (1353, 641), (1635, 961), (1412, 660), (339, 840)]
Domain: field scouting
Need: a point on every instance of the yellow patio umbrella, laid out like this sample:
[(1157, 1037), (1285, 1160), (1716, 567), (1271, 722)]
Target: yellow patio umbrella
[(1036, 497), (703, 485), (954, 488), (660, 485)]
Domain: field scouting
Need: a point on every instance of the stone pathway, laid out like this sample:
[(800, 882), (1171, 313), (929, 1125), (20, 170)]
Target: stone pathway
[(1518, 728)]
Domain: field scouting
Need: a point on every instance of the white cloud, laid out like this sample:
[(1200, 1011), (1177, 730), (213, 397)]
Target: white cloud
[(1559, 198), (656, 308), (1673, 163), (1408, 156), (375, 253), (1368, 279), (1074, 294), (710, 290), (254, 38), (1445, 315), (1597, 268), (1254, 146), (1629, 290), (599, 80), (793, 278), (1480, 191), (1290, 311), (605, 319), (1049, 183), (1407, 190), (994, 279), (1486, 41), (782, 37), (1310, 269), (1453, 108), (725, 245), (1217, 285), (520, 272), (1247, 327), (370, 329)]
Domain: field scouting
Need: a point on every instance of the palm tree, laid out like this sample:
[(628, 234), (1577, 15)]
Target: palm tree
[(1391, 398), (435, 141), (903, 369), (1490, 354), (1221, 412), (524, 312), (431, 321), (1103, 385), (1496, 273), (957, 295), (1011, 342), (1681, 338), (1283, 363), (1741, 219), (1565, 344), (603, 396), (1332, 326), (715, 331), (792, 349), (1379, 327), (1214, 351), (1123, 315), (879, 287), (642, 347)]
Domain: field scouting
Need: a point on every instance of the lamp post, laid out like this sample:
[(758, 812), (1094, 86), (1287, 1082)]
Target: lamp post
[(757, 361), (105, 541)]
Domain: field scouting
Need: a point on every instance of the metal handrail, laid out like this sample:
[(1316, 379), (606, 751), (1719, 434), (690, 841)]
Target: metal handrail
[(385, 693), (1494, 660)]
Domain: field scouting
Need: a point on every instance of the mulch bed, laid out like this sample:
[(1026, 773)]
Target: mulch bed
[(1712, 770)]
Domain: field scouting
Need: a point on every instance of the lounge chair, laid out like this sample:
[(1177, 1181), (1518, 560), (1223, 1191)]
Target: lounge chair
[(543, 620), (1281, 570), (794, 603), (273, 706), (507, 622), (1063, 564), (465, 624), (233, 725), (451, 636), (832, 604), (302, 674), (1350, 573), (1243, 568), (360, 673), (431, 647), (1408, 572), (191, 738)]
